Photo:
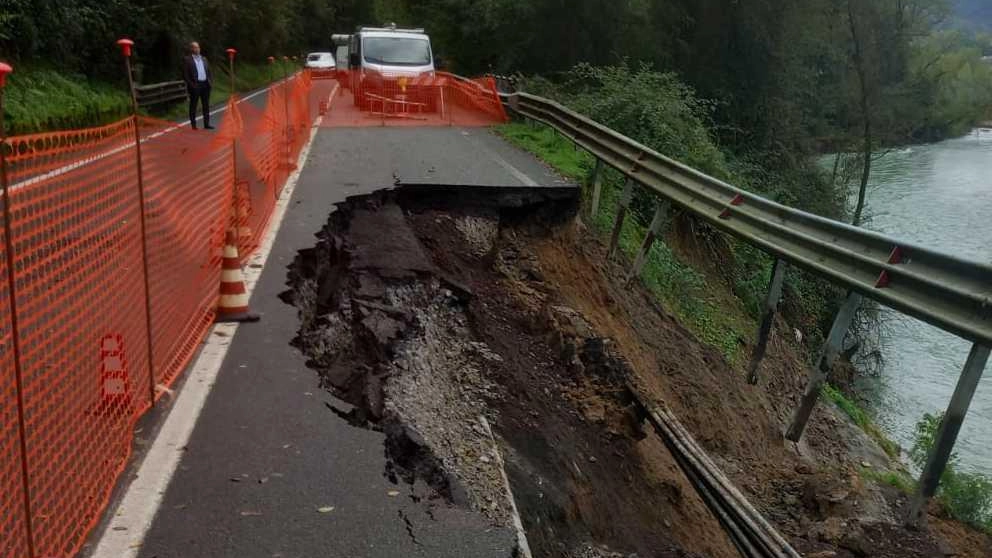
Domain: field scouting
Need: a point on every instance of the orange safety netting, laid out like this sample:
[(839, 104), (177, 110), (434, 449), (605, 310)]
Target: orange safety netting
[(92, 359), (436, 99)]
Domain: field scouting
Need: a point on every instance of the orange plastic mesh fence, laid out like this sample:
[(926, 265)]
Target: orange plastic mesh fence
[(86, 371), (79, 282), (188, 180), (430, 99), (13, 520)]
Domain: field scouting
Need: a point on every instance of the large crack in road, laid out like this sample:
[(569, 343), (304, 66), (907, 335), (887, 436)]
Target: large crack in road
[(424, 309)]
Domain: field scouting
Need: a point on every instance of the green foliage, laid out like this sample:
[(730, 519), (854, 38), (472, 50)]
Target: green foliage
[(862, 419), (574, 164), (925, 438), (897, 479), (684, 290), (42, 99), (966, 496), (656, 109)]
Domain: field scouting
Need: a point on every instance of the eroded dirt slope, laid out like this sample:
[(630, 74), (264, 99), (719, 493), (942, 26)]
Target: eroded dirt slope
[(427, 310)]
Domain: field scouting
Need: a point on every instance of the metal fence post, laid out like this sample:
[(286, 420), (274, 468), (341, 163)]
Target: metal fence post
[(126, 45), (654, 231), (597, 186), (818, 375), (948, 434), (767, 319), (625, 198), (15, 333)]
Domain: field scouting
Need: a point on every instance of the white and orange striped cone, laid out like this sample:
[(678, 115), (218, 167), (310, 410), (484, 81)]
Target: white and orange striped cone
[(115, 386), (233, 304)]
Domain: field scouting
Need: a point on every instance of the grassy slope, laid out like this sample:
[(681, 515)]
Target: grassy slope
[(44, 100), (39, 99), (689, 293)]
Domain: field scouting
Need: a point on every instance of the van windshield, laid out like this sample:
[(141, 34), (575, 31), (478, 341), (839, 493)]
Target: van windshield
[(397, 51)]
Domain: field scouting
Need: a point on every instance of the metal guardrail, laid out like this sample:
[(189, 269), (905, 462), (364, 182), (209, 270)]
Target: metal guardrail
[(948, 292), (158, 93)]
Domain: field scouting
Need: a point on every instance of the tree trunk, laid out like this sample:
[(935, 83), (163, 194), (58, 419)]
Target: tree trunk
[(865, 174), (862, 71), (833, 176)]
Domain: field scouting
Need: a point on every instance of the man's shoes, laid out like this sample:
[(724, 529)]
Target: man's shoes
[(208, 127), (192, 126)]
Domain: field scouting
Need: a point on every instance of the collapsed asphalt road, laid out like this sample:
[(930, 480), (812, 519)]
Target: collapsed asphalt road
[(424, 309)]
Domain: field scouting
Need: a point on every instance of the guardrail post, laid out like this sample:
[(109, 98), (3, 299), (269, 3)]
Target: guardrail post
[(15, 332), (597, 186), (654, 231), (625, 199), (126, 45), (948, 434), (819, 374), (767, 319)]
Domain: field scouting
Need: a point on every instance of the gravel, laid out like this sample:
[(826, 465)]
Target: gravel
[(436, 387)]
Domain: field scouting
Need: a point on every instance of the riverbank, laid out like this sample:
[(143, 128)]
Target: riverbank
[(837, 490), (936, 195)]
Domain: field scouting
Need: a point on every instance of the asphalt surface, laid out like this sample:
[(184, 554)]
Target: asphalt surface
[(266, 416)]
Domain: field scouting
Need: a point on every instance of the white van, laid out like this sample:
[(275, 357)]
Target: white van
[(386, 61)]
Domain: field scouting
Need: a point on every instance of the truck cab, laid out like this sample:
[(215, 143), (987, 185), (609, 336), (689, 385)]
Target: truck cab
[(390, 62)]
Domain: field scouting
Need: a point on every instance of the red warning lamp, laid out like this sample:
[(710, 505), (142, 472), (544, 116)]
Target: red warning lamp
[(230, 53), (4, 70), (125, 45)]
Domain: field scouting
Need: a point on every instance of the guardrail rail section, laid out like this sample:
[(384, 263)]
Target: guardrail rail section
[(948, 292), (160, 93)]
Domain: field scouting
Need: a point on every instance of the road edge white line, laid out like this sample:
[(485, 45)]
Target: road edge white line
[(79, 164), (517, 173), (136, 511)]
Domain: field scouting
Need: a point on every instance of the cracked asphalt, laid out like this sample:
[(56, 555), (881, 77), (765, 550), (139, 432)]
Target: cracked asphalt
[(265, 423)]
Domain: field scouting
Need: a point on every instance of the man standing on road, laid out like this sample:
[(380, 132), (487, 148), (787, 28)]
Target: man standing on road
[(196, 73)]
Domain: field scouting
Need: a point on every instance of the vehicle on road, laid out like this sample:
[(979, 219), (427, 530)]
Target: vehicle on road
[(392, 66), (321, 65), (341, 53)]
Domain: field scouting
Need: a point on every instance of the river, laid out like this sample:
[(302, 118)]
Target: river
[(940, 196)]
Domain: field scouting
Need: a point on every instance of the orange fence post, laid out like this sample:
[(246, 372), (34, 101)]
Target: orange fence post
[(288, 128), (126, 45), (15, 331)]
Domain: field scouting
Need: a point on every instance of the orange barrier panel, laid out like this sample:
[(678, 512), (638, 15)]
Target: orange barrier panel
[(434, 99), (80, 291)]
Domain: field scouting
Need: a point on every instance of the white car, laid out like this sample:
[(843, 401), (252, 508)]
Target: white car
[(321, 65)]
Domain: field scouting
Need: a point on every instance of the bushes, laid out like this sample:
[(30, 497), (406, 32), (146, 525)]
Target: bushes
[(42, 100), (661, 112), (656, 109), (966, 496)]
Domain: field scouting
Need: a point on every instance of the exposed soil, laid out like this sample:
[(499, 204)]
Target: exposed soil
[(425, 309)]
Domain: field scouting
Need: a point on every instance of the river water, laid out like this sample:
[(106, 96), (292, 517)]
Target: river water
[(939, 196)]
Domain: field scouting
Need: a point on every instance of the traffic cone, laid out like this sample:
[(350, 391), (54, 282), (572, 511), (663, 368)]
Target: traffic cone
[(115, 387), (244, 231), (233, 304)]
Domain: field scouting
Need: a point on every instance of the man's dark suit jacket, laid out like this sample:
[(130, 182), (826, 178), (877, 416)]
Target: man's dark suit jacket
[(189, 70)]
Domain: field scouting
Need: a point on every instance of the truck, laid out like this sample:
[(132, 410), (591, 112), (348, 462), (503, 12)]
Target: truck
[(391, 63)]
